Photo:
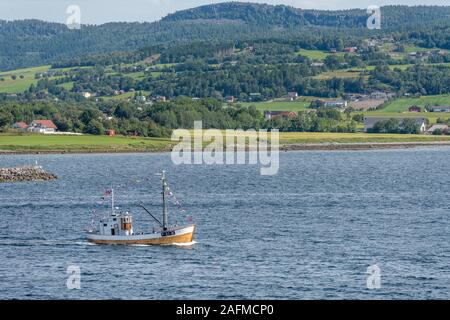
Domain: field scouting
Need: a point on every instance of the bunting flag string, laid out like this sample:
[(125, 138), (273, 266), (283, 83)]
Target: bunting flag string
[(177, 203), (132, 183)]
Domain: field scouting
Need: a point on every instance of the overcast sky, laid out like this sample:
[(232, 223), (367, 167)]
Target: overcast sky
[(101, 11)]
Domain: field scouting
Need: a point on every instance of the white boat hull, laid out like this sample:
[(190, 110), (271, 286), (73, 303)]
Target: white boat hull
[(176, 235)]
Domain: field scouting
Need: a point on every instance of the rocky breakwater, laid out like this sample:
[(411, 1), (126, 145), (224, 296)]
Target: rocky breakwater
[(29, 173)]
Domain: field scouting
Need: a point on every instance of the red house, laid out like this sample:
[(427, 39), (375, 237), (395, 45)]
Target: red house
[(351, 49), (110, 133), (22, 126), (414, 109)]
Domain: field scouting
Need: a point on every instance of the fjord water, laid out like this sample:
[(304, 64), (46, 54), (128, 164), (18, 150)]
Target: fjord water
[(311, 231)]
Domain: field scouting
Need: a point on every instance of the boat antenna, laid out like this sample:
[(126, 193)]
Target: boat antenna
[(142, 206), (112, 200), (165, 213)]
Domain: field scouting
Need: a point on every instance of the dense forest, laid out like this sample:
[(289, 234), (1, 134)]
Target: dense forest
[(271, 68), (32, 42)]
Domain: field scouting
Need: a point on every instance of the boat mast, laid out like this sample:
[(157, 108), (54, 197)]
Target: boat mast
[(165, 213), (112, 201)]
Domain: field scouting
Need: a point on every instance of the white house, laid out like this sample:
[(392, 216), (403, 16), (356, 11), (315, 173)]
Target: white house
[(42, 126), (336, 104)]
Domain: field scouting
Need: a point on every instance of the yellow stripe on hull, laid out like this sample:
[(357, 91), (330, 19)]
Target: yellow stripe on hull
[(183, 238)]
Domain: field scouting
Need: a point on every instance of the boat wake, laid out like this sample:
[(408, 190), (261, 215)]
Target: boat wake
[(185, 244)]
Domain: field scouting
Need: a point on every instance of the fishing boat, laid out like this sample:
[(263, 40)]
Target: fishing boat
[(117, 227)]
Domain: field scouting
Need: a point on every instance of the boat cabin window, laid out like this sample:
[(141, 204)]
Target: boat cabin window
[(114, 219), (113, 232), (105, 225)]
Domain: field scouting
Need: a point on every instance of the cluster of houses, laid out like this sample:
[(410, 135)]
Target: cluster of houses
[(431, 109), (370, 121), (346, 49), (137, 98), (271, 115), (37, 126), (419, 55)]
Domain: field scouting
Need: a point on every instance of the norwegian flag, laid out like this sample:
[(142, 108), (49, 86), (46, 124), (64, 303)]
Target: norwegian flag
[(107, 192), (189, 219)]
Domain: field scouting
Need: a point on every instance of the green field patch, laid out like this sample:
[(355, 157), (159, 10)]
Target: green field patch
[(314, 54), (165, 65), (359, 137), (66, 85), (136, 75), (124, 96), (403, 104), (343, 74), (24, 79), (431, 116), (298, 105), (410, 49), (156, 74)]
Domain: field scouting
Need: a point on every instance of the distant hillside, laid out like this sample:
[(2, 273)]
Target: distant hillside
[(32, 42), (286, 16)]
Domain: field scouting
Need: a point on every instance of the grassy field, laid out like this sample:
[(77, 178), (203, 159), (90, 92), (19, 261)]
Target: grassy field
[(279, 105), (343, 74), (402, 104), (431, 116), (313, 54), (9, 85), (124, 96), (66, 85), (409, 49), (331, 137), (84, 143)]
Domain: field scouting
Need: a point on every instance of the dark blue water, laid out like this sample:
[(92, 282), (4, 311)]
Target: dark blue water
[(309, 232)]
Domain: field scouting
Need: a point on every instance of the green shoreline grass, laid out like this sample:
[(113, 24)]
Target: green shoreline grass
[(102, 144), (84, 143)]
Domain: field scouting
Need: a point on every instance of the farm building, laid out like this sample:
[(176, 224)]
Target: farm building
[(441, 127), (21, 126), (440, 109), (351, 49), (277, 114), (415, 109), (110, 133), (229, 99), (382, 95), (292, 96), (317, 64), (336, 104)]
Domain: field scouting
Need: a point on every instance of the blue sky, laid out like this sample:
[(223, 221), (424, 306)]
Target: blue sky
[(101, 11)]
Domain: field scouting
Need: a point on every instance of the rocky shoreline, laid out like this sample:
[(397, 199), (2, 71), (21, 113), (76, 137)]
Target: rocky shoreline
[(323, 146), (361, 146), (27, 173)]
